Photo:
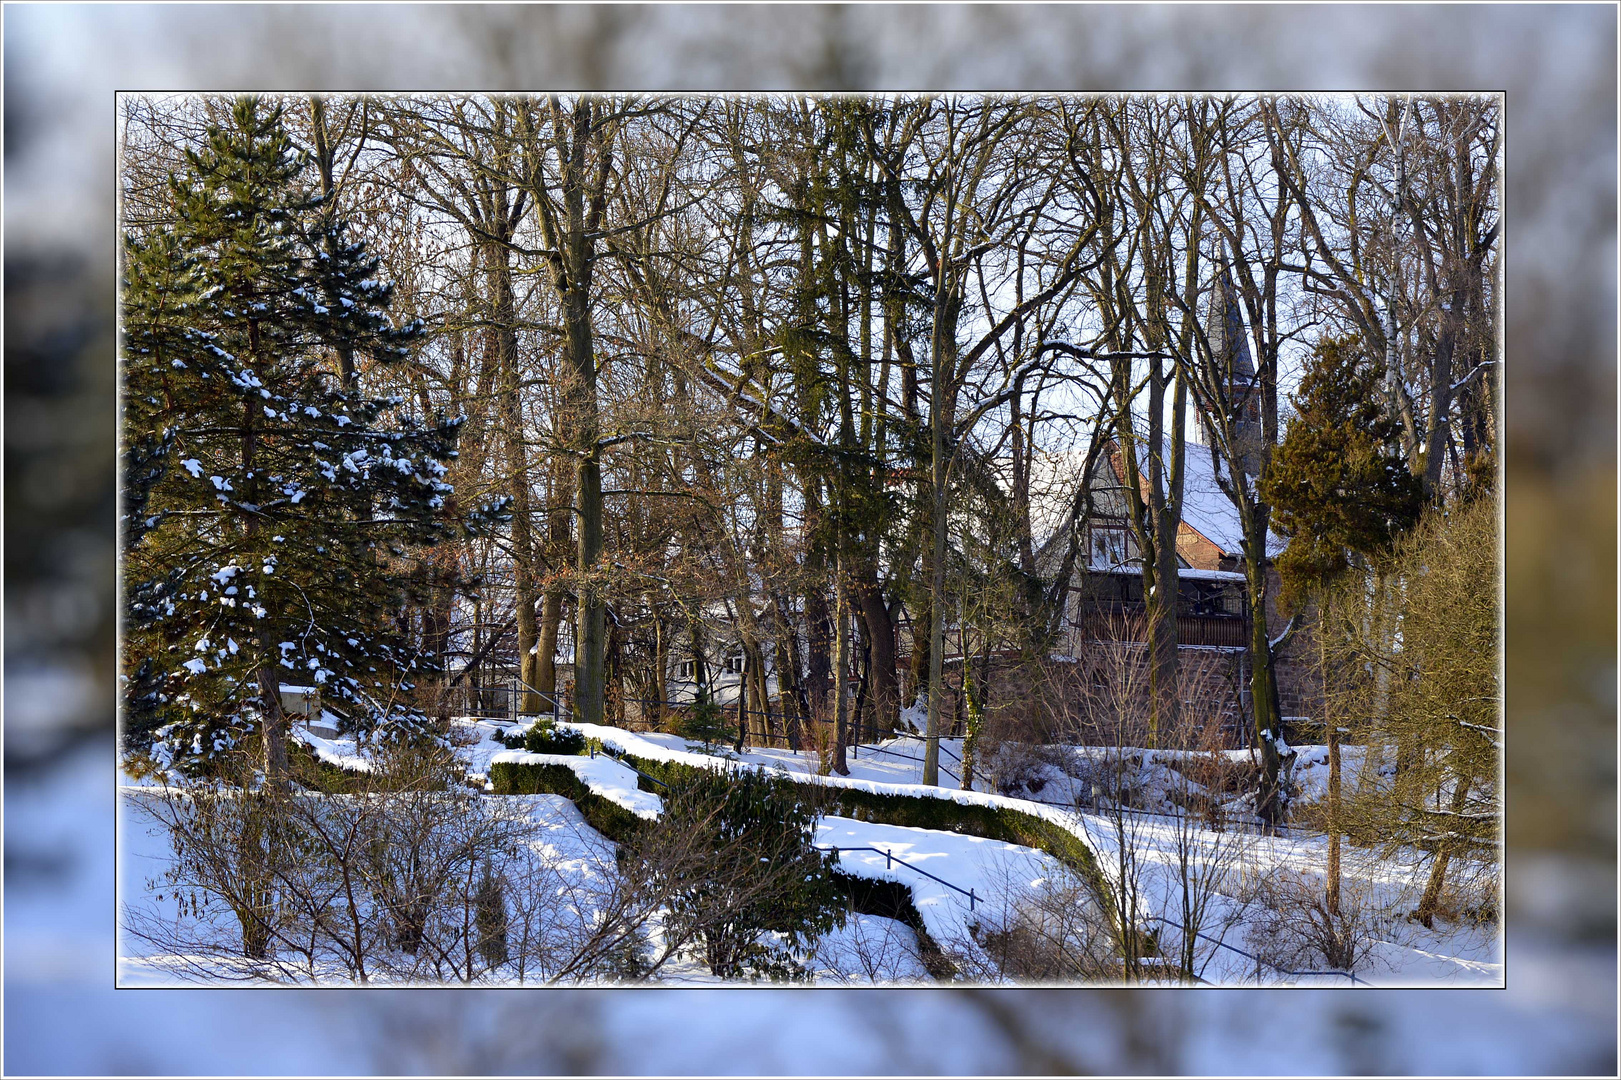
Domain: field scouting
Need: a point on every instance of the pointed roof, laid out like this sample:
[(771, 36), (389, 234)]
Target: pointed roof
[(1206, 509), (1225, 325)]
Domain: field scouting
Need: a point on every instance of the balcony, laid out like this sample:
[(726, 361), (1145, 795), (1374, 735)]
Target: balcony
[(1114, 622)]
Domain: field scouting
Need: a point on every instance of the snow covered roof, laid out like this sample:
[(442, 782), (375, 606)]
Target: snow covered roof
[(1206, 508), (1193, 574)]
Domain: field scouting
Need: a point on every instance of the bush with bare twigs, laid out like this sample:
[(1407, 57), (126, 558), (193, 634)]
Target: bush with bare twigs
[(1051, 930), (407, 875), (1296, 926)]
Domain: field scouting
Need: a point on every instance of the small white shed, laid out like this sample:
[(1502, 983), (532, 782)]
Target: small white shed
[(305, 702)]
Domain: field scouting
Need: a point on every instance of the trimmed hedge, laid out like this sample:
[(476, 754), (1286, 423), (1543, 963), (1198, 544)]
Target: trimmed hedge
[(927, 812), (544, 737), (604, 815), (887, 898)]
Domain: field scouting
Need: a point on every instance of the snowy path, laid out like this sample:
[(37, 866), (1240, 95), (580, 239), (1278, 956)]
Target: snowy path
[(601, 774)]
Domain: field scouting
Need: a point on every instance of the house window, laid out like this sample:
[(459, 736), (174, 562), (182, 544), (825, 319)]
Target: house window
[(1108, 548), (689, 670), (736, 663)]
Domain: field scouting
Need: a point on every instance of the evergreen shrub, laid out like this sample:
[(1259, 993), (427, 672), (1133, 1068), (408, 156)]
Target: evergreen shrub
[(545, 737), (765, 891), (704, 723)]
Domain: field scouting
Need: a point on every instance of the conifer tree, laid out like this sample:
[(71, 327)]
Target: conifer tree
[(267, 505), (1338, 483)]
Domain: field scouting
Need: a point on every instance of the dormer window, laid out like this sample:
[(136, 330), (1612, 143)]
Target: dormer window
[(1108, 548)]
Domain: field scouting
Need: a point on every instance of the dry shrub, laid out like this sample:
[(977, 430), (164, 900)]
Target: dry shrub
[(1471, 894), (1297, 929), (1019, 767), (407, 875), (1054, 930), (819, 734), (868, 950)]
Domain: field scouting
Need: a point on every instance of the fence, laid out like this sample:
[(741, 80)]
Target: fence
[(1224, 821), (507, 699), (909, 757)]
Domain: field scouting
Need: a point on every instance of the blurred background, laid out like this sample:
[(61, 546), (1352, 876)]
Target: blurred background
[(62, 66)]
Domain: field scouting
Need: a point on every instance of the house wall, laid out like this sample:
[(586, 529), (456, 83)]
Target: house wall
[(1196, 551)]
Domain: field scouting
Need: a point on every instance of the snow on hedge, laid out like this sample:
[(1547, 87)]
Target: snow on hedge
[(602, 775), (993, 869), (1093, 831), (631, 743)]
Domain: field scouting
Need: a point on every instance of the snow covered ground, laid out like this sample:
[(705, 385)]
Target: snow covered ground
[(941, 869), (562, 837), (1398, 952), (1557, 1015)]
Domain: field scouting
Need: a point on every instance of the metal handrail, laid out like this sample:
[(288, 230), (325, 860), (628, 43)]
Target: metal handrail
[(909, 757), (890, 858), (944, 749), (609, 752), (1251, 956)]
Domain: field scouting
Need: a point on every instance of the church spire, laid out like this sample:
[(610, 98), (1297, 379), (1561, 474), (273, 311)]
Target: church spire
[(1229, 345)]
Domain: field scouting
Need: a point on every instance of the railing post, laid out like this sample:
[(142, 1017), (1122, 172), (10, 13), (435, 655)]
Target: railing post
[(888, 863), (970, 899)]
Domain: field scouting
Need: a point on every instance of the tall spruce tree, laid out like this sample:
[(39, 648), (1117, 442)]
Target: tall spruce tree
[(1338, 483), (267, 505)]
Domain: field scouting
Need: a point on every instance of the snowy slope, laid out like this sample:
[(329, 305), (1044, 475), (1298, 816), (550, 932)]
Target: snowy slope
[(987, 868), (1403, 953)]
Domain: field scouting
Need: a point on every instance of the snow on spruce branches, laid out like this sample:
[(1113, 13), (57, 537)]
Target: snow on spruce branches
[(271, 506)]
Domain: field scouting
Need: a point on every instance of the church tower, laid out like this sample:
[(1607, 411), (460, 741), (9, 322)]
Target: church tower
[(1224, 325)]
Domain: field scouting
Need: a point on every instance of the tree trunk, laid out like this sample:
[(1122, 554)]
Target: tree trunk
[(578, 346), (754, 673), (504, 341), (1333, 819), (880, 632), (841, 670), (742, 709), (661, 669), (551, 609), (818, 634), (937, 620), (1263, 687), (790, 687), (1431, 899), (942, 406)]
